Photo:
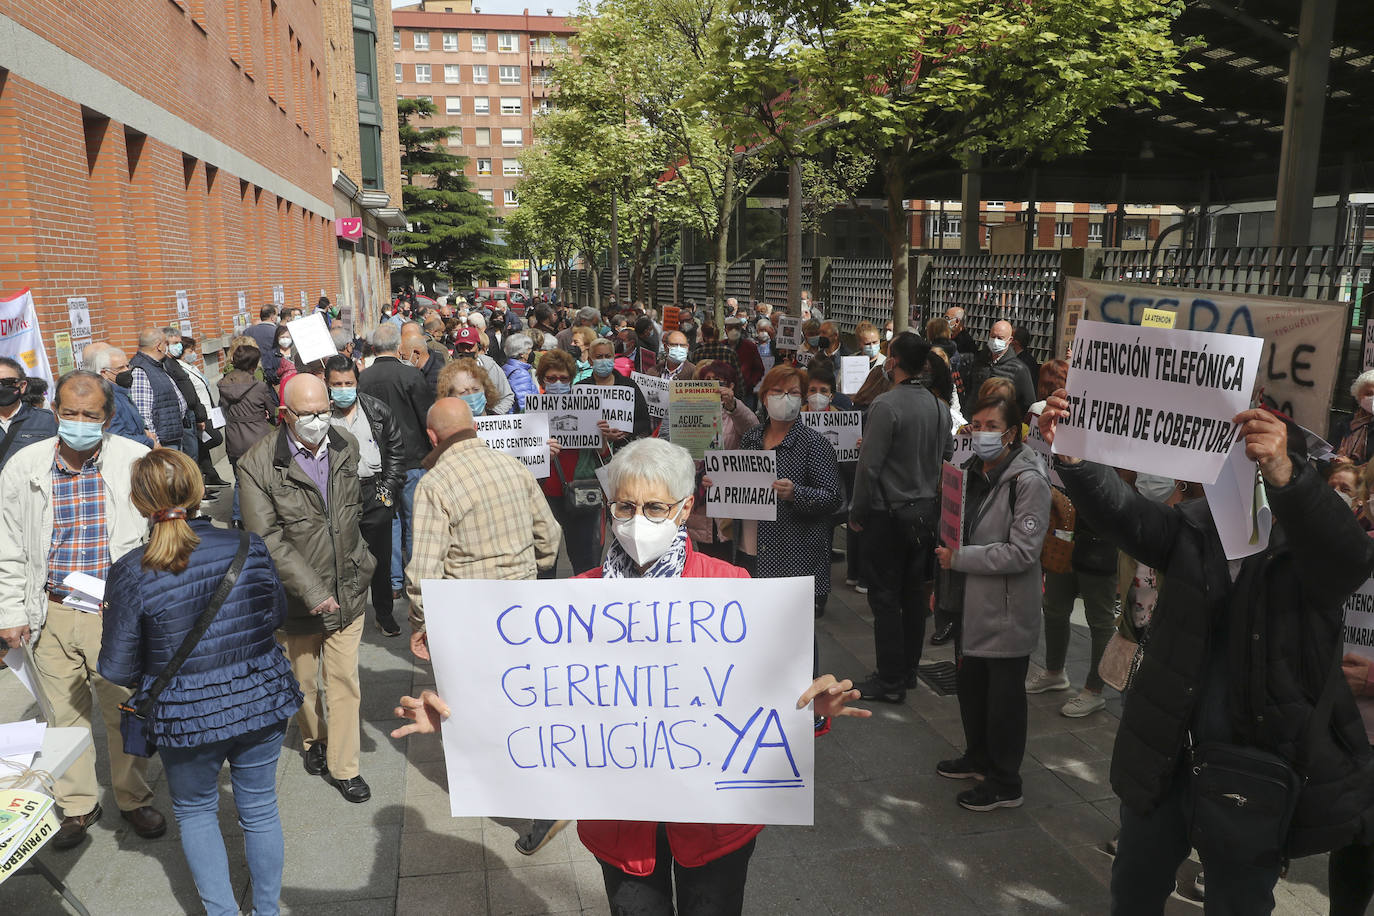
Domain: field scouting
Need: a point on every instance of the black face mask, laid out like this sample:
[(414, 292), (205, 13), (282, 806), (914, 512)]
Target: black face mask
[(8, 396), (125, 379)]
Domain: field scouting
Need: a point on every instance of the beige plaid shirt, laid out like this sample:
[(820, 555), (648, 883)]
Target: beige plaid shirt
[(479, 514)]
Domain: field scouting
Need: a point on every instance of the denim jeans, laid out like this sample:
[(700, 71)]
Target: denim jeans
[(401, 528), (193, 779)]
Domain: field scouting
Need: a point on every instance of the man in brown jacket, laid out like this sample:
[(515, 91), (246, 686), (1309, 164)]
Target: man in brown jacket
[(300, 493)]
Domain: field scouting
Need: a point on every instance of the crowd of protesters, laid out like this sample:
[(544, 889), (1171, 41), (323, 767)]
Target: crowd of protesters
[(358, 476)]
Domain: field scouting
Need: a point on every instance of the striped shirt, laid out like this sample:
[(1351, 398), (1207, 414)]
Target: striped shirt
[(80, 537)]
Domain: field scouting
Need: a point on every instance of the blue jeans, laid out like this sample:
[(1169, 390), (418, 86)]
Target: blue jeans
[(400, 530), (193, 779)]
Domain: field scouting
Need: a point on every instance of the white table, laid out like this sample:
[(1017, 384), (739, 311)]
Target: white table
[(61, 747)]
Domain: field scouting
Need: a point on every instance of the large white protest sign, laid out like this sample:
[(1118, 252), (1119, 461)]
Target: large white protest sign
[(573, 417), (741, 484), (853, 373), (1156, 400), (20, 338), (655, 390), (963, 449), (789, 334), (521, 435), (617, 405), (1359, 622), (311, 338), (626, 699), (841, 428), (1303, 338)]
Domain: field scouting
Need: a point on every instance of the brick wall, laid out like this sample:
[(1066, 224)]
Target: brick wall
[(91, 207)]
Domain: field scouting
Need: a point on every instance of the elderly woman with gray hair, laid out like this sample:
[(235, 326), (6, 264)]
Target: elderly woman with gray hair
[(655, 868), (519, 371), (1353, 435)]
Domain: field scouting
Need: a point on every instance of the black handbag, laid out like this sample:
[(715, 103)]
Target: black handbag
[(582, 494), (1242, 798), (136, 719)]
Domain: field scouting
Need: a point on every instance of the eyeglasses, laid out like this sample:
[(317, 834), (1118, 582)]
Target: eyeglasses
[(322, 415), (654, 512), (10, 382)]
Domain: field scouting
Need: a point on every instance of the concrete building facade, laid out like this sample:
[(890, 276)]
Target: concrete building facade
[(152, 146), (488, 75)]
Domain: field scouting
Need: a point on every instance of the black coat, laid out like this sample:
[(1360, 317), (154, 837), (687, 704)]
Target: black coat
[(1283, 642), (387, 434), (188, 389), (403, 389)]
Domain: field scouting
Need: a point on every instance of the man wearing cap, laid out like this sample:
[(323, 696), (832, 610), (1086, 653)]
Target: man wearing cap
[(471, 344)]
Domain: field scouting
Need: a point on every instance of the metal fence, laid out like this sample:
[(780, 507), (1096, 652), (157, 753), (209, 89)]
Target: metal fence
[(857, 289), (775, 280), (695, 282), (1022, 288), (665, 284), (1306, 272)]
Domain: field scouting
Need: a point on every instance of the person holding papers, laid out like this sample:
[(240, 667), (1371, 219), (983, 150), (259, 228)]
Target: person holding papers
[(1243, 661), (715, 537), (65, 508), (601, 353), (1006, 511), (232, 696)]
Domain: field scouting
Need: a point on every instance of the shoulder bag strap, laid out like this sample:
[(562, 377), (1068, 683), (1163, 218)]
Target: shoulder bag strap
[(188, 644), (9, 438), (1321, 712)]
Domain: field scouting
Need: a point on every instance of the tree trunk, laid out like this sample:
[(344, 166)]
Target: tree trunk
[(721, 264), (615, 248), (898, 242), (794, 237)]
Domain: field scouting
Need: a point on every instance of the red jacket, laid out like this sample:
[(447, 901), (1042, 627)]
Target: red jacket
[(630, 845)]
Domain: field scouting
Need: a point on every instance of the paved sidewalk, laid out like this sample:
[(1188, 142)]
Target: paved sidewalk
[(888, 839)]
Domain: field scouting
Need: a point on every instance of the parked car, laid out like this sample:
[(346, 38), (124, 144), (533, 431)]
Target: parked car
[(487, 296)]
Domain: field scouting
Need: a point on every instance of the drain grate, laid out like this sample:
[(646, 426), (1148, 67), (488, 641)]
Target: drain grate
[(939, 677)]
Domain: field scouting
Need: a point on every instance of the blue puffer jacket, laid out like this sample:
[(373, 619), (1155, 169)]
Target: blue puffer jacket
[(237, 679)]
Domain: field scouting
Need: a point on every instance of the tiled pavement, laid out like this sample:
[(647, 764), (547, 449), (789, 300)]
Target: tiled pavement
[(888, 836)]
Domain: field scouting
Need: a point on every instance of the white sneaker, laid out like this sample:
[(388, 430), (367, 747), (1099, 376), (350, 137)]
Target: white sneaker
[(851, 582), (1044, 682), (1085, 704)]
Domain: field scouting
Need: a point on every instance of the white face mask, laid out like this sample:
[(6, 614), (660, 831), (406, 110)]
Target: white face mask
[(644, 540), (1346, 498), (1367, 403), (284, 343), (818, 401), (784, 407), (996, 344), (888, 334), (312, 430)]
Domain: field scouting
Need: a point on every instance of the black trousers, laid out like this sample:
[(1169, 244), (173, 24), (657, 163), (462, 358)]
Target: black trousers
[(1149, 850), (992, 705), (898, 573), (376, 531), (1350, 872), (713, 889)]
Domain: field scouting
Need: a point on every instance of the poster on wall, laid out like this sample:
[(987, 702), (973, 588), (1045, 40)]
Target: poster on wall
[(20, 337), (183, 305), (66, 359), (279, 294)]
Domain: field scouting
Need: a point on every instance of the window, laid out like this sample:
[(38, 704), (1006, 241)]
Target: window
[(510, 198), (997, 205), (511, 167), (479, 73), (395, 41), (455, 136), (399, 75), (1094, 232), (1063, 230), (541, 76), (450, 41), (483, 137), (512, 136), (510, 75), (479, 42), (483, 166), (422, 41), (510, 106), (934, 230), (485, 194), (453, 105), (481, 105), (1135, 232), (425, 98), (452, 73), (422, 73), (543, 107), (544, 43), (507, 42)]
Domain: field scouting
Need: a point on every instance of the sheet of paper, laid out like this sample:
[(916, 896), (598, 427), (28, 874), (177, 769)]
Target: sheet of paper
[(853, 373), (1359, 622), (655, 391), (842, 429), (17, 661), (217, 417), (617, 405), (789, 334), (1240, 506), (647, 699), (86, 584), (18, 738), (81, 603), (311, 338), (573, 417)]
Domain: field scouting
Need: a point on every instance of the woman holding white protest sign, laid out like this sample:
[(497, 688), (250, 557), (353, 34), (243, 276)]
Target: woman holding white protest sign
[(716, 537), (1005, 512), (652, 868)]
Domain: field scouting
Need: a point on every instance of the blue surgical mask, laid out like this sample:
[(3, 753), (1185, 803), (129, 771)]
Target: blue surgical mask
[(80, 435), (174, 350), (557, 388), (583, 365), (677, 354), (987, 444), (343, 397), (870, 350), (603, 367), (477, 402), (813, 341)]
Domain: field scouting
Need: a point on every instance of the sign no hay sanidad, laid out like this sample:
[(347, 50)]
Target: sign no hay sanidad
[(573, 417), (626, 699), (1156, 400)]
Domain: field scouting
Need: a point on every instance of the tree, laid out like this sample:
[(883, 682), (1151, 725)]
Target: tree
[(912, 83), (450, 227)]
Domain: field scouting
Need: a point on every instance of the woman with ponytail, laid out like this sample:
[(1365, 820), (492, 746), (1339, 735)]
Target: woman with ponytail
[(232, 696)]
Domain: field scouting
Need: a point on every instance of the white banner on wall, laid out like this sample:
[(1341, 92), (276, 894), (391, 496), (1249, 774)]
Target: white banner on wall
[(21, 338)]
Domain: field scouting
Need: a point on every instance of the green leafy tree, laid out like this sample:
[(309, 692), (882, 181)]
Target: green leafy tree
[(450, 227), (912, 83)]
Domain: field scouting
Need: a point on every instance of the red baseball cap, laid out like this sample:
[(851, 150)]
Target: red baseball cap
[(468, 335)]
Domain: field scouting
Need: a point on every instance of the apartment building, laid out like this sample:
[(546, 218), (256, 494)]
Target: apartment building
[(488, 76), (1058, 224)]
